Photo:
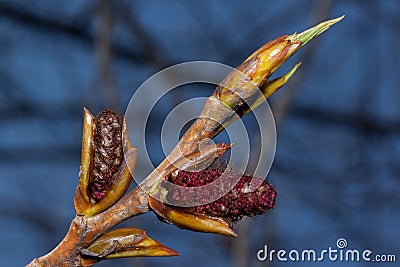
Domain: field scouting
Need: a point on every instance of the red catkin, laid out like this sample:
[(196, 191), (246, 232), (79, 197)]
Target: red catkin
[(238, 202)]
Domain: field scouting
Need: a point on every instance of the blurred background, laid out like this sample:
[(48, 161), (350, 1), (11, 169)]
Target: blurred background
[(337, 162)]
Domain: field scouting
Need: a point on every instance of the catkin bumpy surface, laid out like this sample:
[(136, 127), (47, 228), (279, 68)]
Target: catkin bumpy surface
[(108, 154)]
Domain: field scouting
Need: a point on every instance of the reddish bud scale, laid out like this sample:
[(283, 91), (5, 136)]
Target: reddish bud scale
[(108, 154), (238, 202)]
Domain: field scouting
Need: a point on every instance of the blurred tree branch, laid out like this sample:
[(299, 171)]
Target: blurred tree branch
[(56, 26), (103, 47), (127, 15)]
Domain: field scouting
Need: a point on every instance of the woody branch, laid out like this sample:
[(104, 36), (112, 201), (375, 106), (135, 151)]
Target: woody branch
[(105, 177)]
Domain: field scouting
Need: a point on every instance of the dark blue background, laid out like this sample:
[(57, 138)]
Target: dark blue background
[(337, 164)]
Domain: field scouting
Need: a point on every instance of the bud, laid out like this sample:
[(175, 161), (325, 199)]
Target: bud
[(104, 175), (217, 216), (124, 242), (248, 85)]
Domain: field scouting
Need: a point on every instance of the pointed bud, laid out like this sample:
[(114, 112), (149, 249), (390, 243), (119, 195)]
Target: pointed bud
[(125, 242), (307, 35), (241, 86)]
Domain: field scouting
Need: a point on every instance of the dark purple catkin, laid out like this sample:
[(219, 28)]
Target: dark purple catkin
[(237, 203), (108, 154)]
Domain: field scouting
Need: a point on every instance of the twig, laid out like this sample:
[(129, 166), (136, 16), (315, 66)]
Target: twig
[(89, 240)]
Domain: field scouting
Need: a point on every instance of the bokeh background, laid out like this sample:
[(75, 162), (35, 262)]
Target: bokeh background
[(337, 163)]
